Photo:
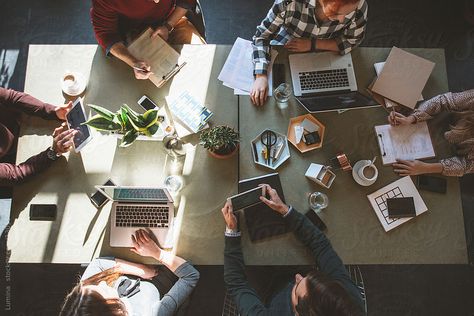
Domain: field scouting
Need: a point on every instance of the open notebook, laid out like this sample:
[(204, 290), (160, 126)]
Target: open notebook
[(404, 142)]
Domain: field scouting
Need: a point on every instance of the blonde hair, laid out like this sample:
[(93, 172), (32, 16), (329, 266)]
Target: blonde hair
[(463, 129), (83, 301)]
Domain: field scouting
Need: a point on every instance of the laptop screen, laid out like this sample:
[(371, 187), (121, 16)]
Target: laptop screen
[(136, 194)]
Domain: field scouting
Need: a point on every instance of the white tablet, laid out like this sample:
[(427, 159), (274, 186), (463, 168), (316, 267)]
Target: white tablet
[(75, 117)]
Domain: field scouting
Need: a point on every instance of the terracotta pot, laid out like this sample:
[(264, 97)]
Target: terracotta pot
[(226, 156)]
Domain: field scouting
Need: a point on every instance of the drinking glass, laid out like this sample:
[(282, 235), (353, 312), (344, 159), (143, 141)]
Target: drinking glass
[(282, 93), (174, 183), (318, 201)]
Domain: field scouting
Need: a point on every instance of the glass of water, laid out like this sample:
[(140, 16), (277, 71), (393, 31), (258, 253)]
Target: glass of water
[(318, 201), (174, 183), (282, 93)]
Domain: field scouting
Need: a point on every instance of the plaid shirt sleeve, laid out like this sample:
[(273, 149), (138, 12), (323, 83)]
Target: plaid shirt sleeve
[(355, 32), (261, 40)]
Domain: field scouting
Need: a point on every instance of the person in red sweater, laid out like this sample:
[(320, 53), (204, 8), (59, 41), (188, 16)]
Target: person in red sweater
[(116, 22), (12, 104)]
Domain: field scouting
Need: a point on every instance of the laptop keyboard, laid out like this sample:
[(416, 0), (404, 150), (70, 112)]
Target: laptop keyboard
[(324, 79), (141, 216), (140, 194)]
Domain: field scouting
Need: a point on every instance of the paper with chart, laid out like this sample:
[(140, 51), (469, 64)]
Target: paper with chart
[(403, 187), (161, 57), (237, 72), (404, 142)]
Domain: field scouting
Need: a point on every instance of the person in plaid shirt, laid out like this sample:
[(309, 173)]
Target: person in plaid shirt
[(304, 26)]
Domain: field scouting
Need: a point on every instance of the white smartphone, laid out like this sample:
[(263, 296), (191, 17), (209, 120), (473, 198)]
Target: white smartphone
[(147, 104), (246, 199), (75, 117)]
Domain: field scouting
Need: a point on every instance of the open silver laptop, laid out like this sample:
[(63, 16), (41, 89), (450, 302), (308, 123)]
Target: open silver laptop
[(326, 82), (133, 208)]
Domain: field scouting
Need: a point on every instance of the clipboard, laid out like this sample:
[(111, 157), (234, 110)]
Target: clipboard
[(404, 142), (162, 58)]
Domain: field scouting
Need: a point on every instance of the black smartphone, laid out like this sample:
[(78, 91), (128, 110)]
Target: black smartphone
[(147, 104), (433, 184), (401, 207), (316, 220), (75, 119), (43, 212), (278, 74), (98, 199)]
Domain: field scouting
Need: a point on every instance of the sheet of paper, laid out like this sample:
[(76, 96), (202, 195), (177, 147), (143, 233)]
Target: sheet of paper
[(404, 142), (237, 72), (403, 187), (161, 57)]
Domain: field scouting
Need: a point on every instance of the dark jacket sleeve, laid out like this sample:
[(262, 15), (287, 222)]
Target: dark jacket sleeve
[(244, 295), (186, 4), (13, 174), (19, 101), (326, 258)]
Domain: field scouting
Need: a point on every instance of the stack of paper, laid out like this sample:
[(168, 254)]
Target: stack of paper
[(237, 72), (401, 79)]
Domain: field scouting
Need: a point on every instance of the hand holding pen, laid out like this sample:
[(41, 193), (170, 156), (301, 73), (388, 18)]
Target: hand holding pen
[(142, 70), (395, 118)]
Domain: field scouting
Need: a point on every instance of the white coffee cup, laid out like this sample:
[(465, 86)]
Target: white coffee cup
[(368, 171), (73, 83)]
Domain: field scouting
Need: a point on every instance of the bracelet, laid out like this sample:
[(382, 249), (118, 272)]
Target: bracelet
[(313, 44)]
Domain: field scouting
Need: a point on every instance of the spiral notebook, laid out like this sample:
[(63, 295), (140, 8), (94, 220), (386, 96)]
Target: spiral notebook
[(404, 142)]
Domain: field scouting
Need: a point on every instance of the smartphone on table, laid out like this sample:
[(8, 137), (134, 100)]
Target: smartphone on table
[(43, 212), (99, 199)]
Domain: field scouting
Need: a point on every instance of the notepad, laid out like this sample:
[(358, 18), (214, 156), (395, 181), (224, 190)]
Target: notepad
[(403, 187), (404, 142)]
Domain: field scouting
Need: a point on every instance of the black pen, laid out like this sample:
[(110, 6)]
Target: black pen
[(255, 151)]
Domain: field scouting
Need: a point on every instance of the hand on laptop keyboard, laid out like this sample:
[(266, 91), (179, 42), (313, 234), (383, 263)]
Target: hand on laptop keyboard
[(144, 246)]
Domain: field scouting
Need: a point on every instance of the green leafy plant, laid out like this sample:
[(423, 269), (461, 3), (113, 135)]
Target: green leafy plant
[(221, 140), (125, 121)]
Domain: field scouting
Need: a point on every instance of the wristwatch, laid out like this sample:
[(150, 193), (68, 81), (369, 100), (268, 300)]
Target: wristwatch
[(51, 154), (168, 26)]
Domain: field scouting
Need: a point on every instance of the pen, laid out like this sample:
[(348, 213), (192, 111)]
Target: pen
[(141, 69), (255, 151)]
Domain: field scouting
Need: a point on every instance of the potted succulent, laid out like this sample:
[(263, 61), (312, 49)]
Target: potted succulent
[(221, 141), (126, 122)]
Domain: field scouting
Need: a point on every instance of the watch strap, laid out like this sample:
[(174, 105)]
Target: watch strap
[(168, 26)]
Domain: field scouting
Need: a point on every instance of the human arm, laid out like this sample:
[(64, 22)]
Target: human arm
[(16, 100), (447, 102), (164, 30), (13, 174), (245, 297), (454, 166), (187, 274)]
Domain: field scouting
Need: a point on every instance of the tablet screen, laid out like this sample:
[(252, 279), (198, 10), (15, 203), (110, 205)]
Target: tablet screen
[(75, 118)]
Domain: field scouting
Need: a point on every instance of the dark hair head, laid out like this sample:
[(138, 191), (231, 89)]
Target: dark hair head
[(83, 301), (325, 297)]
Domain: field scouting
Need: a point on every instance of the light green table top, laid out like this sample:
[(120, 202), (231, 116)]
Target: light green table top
[(353, 228), (80, 232)]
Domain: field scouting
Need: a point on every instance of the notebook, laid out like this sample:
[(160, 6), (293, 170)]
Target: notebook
[(403, 187), (404, 142), (263, 222), (161, 57), (403, 77)]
